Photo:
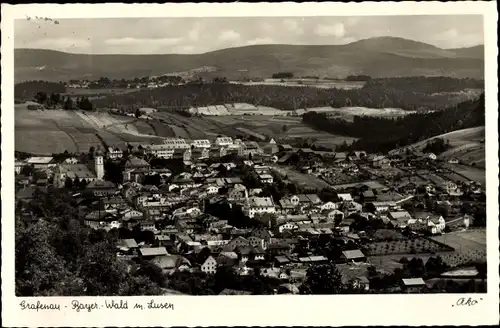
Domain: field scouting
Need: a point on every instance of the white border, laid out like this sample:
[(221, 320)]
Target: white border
[(257, 310)]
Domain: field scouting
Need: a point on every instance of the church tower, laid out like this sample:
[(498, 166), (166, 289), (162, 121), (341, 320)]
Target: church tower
[(99, 166)]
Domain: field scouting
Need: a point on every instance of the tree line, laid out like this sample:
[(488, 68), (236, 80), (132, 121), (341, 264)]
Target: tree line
[(408, 93), (382, 134), (26, 90), (56, 101)]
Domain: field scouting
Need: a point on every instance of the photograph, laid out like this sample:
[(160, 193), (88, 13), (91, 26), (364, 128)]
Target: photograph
[(250, 155), (200, 158)]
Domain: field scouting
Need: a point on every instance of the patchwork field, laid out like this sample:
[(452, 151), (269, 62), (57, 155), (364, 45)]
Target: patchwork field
[(75, 131), (469, 172), (467, 145), (279, 128)]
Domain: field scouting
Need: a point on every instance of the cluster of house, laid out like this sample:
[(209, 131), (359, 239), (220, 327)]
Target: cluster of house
[(174, 210)]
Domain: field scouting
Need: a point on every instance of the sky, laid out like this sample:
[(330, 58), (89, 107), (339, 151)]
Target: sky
[(199, 35)]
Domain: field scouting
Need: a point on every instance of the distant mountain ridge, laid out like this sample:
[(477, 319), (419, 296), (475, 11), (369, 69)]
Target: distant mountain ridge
[(377, 57)]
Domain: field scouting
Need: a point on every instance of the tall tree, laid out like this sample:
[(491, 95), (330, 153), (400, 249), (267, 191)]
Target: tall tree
[(322, 279)]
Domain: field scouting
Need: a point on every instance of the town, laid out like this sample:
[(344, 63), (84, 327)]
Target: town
[(400, 222)]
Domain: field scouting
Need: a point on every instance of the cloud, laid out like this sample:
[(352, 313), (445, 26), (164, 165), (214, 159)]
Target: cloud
[(194, 33), (448, 34), (260, 41), (266, 27), (62, 44), (351, 21), (293, 26), (139, 41), (337, 30), (229, 36)]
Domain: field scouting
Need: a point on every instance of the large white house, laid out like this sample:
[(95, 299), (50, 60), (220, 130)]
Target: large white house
[(223, 141), (259, 205), (201, 143)]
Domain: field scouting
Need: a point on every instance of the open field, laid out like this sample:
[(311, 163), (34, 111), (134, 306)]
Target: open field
[(302, 179), (316, 83), (470, 240), (237, 109), (280, 128), (467, 145), (472, 173), (75, 131), (408, 246), (348, 113)]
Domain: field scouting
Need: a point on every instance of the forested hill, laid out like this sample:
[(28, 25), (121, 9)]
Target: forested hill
[(409, 93), (382, 134)]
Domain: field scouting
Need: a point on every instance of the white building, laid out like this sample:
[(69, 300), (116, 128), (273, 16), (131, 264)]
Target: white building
[(114, 153), (266, 178), (162, 151), (176, 143), (259, 205), (201, 143), (209, 266), (223, 141)]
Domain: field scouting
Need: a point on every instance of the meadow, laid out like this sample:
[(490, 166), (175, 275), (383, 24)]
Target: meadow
[(75, 131), (316, 83)]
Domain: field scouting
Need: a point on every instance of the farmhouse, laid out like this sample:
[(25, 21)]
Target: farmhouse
[(401, 219)]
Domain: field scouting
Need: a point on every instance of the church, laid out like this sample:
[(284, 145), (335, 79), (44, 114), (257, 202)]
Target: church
[(94, 171)]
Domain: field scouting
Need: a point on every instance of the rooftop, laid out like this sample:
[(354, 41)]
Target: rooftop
[(260, 202), (353, 254), (153, 251), (40, 160)]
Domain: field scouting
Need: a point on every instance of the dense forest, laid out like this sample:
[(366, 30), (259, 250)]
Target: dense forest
[(409, 93), (381, 134)]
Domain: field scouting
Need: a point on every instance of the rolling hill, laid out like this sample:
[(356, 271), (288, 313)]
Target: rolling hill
[(467, 145), (377, 57)]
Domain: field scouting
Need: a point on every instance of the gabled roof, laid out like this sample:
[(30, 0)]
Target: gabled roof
[(153, 251), (129, 243), (100, 184), (353, 254), (414, 282)]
